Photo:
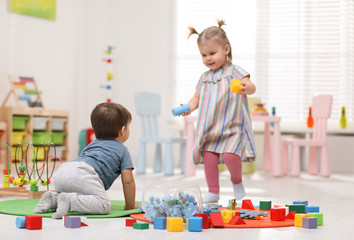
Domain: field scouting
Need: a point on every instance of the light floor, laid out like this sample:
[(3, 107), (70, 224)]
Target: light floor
[(334, 195)]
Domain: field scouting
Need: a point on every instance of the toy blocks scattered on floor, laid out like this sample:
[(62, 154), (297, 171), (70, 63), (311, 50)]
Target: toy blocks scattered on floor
[(312, 209), (309, 222), (299, 208), (237, 220), (30, 222), (247, 204), (174, 224), (319, 217), (140, 225), (194, 224), (265, 205), (298, 219), (160, 223), (129, 222), (206, 220), (216, 219), (277, 214)]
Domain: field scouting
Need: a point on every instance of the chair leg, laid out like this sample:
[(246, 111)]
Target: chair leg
[(325, 169), (141, 159), (183, 157), (158, 158), (313, 166), (295, 162), (285, 159), (267, 150), (168, 159)]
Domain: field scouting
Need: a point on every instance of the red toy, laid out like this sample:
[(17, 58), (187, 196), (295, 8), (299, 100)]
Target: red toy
[(247, 204), (216, 219), (206, 221), (33, 222), (129, 222), (237, 220), (277, 214)]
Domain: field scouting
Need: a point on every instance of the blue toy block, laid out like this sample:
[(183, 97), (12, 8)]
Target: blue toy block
[(309, 222), (310, 209), (195, 224), (72, 222), (20, 222), (181, 109), (160, 223), (207, 212), (301, 202)]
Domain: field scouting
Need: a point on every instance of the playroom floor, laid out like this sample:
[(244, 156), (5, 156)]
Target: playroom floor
[(334, 195)]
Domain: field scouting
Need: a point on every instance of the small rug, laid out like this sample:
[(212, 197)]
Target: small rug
[(23, 207)]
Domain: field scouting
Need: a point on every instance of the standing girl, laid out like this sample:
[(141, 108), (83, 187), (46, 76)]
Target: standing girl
[(224, 129)]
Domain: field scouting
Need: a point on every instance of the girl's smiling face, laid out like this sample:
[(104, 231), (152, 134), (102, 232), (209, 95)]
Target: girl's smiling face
[(214, 54)]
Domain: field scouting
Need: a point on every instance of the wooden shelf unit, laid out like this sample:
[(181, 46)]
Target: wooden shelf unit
[(7, 114)]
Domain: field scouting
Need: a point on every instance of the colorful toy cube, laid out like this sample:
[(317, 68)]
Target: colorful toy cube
[(195, 224), (319, 217), (129, 222), (298, 219), (160, 223), (206, 221), (175, 224), (311, 209), (265, 205), (72, 222), (309, 222), (299, 208), (301, 202), (33, 222), (277, 214), (141, 225), (20, 222)]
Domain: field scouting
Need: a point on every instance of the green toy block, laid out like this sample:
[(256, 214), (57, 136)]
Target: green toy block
[(265, 205), (141, 225), (319, 217), (299, 208)]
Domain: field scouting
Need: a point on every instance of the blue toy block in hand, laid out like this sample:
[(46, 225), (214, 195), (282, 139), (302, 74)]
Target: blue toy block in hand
[(181, 109)]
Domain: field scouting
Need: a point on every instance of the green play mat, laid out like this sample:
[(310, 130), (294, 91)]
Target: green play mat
[(25, 207)]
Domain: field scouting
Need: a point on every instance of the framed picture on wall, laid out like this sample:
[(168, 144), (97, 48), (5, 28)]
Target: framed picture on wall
[(36, 8)]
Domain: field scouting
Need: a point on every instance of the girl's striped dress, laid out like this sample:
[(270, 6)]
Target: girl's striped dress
[(224, 123)]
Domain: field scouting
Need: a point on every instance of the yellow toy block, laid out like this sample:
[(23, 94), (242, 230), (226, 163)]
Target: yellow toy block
[(298, 219), (174, 224), (235, 85), (187, 223), (227, 215)]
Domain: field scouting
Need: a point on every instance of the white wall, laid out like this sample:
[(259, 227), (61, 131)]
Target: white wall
[(65, 57)]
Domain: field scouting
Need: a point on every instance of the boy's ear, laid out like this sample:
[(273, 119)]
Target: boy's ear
[(121, 131)]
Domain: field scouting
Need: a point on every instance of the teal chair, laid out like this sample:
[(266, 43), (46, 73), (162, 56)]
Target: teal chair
[(148, 107)]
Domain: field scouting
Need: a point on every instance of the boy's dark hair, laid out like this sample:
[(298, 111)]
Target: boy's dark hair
[(108, 119)]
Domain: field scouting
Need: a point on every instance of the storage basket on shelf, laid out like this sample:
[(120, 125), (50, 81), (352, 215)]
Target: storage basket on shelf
[(58, 137), (17, 137), (58, 124), (44, 138), (19, 122), (40, 123)]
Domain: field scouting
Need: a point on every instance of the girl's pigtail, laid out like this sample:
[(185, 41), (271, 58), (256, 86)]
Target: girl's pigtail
[(192, 31), (221, 22)]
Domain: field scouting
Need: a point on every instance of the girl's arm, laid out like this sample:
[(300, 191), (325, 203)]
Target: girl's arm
[(128, 188), (193, 104), (248, 86)]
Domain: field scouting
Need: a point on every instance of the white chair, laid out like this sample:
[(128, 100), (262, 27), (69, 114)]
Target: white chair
[(148, 107)]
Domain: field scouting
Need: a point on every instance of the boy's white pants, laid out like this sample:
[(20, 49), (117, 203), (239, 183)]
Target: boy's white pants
[(87, 193)]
